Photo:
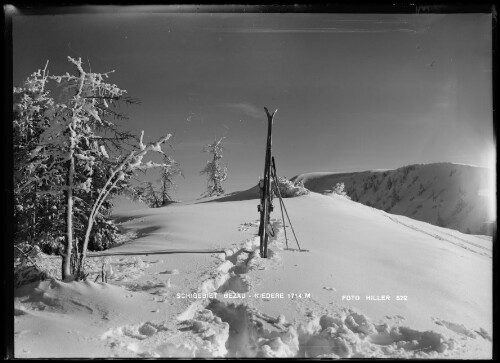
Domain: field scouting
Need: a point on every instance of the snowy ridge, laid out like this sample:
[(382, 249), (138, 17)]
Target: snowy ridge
[(445, 194)]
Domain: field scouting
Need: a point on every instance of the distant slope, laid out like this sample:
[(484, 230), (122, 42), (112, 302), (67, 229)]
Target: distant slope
[(445, 194)]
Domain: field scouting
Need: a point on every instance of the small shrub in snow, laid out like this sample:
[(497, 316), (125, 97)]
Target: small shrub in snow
[(288, 189), (338, 189)]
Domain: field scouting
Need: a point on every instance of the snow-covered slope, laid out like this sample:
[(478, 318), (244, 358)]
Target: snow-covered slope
[(445, 194), (339, 294)]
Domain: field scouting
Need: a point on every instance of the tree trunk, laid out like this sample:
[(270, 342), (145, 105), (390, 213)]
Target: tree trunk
[(164, 192), (97, 205), (33, 230), (155, 196), (66, 258), (215, 179)]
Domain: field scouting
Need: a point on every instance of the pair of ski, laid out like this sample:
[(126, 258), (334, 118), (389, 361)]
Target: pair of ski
[(266, 207)]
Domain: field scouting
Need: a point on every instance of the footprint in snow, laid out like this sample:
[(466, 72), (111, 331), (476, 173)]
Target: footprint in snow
[(396, 318), (461, 329), (170, 272)]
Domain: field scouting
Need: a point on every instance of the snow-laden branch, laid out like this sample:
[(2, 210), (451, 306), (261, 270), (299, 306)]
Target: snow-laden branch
[(78, 64), (132, 162)]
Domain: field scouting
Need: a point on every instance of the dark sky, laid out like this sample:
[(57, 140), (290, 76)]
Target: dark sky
[(354, 92)]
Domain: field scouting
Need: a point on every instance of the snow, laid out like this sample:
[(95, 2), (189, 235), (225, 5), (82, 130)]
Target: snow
[(349, 251), (104, 152)]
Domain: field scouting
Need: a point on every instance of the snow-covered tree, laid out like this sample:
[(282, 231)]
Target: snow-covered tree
[(31, 100), (159, 196), (215, 169), (168, 185), (339, 190), (287, 188), (68, 149), (77, 151)]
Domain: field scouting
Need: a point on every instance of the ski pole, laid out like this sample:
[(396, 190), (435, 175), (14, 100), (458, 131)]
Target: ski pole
[(288, 217)]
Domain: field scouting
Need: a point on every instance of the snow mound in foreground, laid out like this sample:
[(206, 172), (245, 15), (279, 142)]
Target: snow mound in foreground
[(203, 336), (229, 330)]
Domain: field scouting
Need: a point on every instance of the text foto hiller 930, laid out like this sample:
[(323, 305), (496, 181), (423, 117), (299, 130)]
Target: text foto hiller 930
[(374, 297)]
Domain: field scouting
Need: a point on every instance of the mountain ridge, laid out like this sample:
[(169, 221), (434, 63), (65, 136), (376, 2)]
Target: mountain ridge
[(446, 194)]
